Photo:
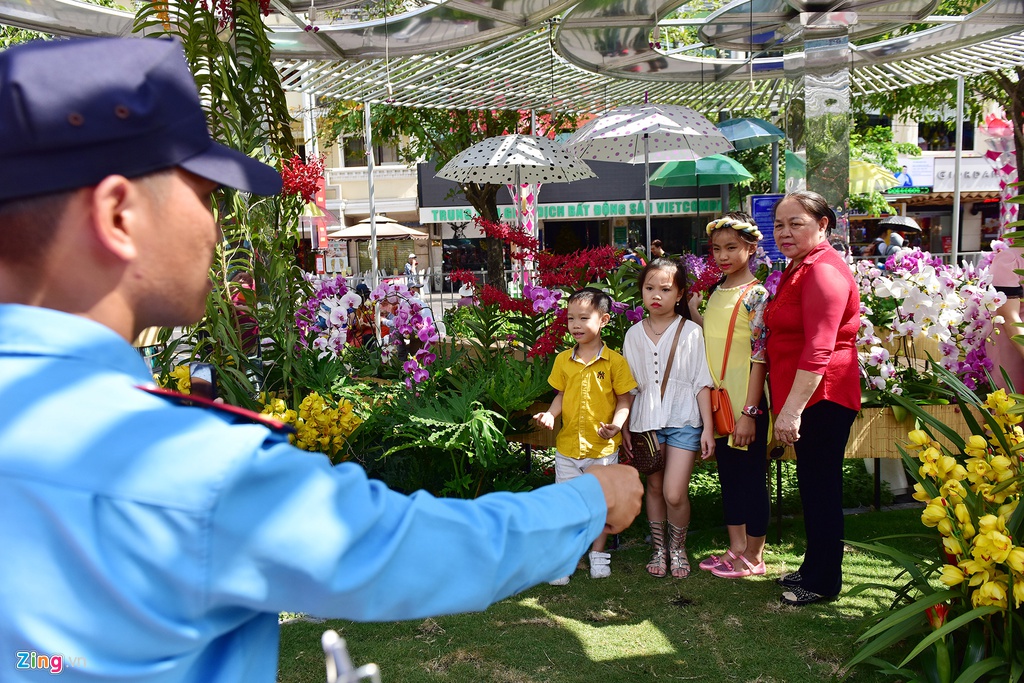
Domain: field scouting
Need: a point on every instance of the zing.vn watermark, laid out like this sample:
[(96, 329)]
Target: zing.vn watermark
[(53, 663)]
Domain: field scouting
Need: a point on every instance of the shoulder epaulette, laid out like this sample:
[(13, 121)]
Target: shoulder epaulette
[(234, 411)]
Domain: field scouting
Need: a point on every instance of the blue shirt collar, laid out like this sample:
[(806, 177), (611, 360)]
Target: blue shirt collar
[(34, 331)]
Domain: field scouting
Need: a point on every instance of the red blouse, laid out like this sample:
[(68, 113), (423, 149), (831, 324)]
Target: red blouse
[(813, 321)]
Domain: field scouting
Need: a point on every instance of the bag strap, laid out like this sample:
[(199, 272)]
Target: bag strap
[(732, 327), (671, 356)]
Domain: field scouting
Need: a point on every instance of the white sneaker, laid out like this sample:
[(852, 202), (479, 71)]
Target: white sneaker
[(600, 565), (559, 582)]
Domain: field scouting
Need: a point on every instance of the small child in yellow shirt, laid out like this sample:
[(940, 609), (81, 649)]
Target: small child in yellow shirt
[(592, 384)]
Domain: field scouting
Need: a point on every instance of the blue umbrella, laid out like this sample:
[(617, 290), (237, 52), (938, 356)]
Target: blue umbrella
[(750, 132)]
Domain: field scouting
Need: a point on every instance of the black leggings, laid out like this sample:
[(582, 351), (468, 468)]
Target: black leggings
[(743, 477), (824, 431)]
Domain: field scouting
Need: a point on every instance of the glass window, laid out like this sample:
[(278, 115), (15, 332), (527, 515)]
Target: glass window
[(941, 136), (355, 153)]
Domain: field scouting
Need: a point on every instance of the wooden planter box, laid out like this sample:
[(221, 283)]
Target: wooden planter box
[(539, 438), (876, 432)]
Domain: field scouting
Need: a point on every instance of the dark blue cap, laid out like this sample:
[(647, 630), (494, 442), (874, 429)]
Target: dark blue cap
[(73, 112)]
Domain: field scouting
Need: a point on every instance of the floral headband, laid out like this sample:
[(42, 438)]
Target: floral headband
[(738, 226)]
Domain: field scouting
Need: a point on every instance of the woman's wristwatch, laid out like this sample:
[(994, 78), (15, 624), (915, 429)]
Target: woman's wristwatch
[(751, 411)]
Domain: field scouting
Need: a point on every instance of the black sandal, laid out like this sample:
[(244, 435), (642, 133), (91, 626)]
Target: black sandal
[(791, 580), (798, 597)]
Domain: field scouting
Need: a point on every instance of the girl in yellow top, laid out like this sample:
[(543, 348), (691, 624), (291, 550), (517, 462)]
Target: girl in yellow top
[(741, 455)]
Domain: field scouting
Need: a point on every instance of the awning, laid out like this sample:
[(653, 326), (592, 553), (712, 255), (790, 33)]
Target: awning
[(940, 198)]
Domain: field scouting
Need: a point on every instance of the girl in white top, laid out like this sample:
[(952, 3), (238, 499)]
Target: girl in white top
[(682, 418)]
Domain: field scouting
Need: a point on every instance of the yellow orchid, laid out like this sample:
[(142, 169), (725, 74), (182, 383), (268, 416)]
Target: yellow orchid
[(990, 593), (987, 523), (976, 446), (951, 575), (1007, 508), (934, 512), (979, 570), (962, 514), (319, 425), (928, 470), (945, 527), (1001, 465), (978, 470), (999, 403), (182, 379), (920, 494), (953, 491), (947, 466), (985, 479), (930, 454), (919, 438), (991, 546), (1015, 560)]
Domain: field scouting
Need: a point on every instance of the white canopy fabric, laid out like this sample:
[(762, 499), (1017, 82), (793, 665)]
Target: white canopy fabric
[(585, 55)]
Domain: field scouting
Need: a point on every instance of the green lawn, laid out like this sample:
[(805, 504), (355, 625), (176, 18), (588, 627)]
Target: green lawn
[(630, 627)]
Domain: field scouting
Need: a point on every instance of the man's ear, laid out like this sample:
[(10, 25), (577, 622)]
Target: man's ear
[(116, 207), (605, 319)]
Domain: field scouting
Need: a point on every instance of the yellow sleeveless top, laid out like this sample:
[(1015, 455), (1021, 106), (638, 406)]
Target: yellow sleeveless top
[(716, 329)]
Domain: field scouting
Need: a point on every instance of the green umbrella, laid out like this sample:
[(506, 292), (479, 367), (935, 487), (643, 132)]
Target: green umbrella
[(716, 169)]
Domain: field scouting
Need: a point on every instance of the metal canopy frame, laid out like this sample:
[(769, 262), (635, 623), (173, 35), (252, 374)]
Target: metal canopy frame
[(554, 55)]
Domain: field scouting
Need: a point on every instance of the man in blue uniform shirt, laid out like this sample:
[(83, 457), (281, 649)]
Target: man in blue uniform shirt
[(148, 541)]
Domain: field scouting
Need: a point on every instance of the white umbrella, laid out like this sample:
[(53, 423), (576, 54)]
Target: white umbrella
[(513, 160), (380, 219), (391, 230), (648, 132)]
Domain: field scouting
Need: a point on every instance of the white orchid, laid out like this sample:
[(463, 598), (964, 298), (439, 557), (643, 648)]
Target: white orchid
[(920, 297)]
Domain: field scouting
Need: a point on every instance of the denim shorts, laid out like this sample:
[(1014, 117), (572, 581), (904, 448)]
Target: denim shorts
[(687, 438)]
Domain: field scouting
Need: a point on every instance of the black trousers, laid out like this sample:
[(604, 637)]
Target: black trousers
[(824, 431), (742, 474)]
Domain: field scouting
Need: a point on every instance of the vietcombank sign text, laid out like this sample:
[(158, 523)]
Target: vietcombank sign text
[(633, 209)]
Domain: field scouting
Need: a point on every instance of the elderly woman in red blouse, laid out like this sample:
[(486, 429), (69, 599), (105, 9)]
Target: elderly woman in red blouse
[(815, 382)]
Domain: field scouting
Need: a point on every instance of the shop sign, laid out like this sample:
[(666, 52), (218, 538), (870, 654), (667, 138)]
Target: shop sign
[(976, 175), (575, 210)]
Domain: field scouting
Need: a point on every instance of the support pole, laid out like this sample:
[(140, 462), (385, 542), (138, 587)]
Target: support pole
[(647, 194), (368, 137), (775, 167), (956, 167)]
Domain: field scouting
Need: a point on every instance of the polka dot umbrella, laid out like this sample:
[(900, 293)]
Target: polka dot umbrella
[(515, 160), (645, 133)]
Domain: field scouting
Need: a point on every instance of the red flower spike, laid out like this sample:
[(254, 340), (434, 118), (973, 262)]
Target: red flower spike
[(937, 615), (466, 277), (300, 178), (509, 234), (577, 269)]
